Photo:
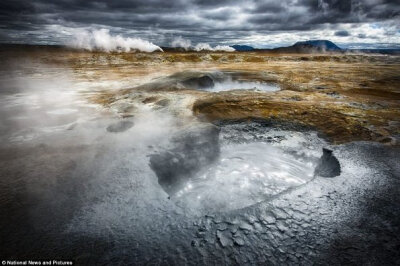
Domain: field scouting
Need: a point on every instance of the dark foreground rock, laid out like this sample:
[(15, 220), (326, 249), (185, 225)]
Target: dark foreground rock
[(120, 126), (191, 150), (328, 165), (201, 82)]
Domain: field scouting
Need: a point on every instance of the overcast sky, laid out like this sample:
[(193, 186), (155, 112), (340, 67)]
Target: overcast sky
[(268, 23)]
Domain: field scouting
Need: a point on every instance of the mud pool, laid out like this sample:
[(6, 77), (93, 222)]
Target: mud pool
[(253, 166), (79, 181), (238, 85)]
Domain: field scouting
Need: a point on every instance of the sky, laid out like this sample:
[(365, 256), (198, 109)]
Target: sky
[(262, 24)]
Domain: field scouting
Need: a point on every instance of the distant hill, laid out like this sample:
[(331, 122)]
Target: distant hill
[(320, 44), (173, 49), (240, 48), (311, 46)]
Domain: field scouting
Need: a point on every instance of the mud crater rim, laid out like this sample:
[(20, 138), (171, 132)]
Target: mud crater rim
[(253, 167), (227, 81)]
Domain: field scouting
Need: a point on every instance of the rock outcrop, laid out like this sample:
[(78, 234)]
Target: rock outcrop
[(328, 165), (201, 82)]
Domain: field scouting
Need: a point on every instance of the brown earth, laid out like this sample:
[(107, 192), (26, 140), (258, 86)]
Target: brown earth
[(347, 97)]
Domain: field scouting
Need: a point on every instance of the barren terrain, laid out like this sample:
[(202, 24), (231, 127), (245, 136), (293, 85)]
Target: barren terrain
[(345, 96), (198, 158)]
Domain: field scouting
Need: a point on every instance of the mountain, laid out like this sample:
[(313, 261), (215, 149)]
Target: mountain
[(240, 48), (319, 44), (311, 46)]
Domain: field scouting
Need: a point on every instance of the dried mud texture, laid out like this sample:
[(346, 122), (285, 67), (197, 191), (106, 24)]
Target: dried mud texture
[(339, 123)]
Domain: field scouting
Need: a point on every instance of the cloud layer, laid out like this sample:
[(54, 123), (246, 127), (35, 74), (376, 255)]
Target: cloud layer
[(257, 22)]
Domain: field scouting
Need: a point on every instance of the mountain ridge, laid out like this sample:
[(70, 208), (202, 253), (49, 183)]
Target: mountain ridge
[(310, 46)]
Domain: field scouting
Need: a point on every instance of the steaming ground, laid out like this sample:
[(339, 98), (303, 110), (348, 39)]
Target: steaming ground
[(76, 184)]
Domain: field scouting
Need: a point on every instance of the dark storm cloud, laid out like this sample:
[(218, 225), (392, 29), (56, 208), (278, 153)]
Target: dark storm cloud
[(342, 33), (334, 11), (199, 20)]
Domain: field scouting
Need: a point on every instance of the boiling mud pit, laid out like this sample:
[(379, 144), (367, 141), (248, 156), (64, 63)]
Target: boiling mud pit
[(227, 81), (256, 163), (211, 81), (79, 182)]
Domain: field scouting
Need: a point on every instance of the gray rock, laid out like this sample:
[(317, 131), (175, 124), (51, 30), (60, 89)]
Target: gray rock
[(201, 82), (328, 165), (120, 126), (224, 238), (238, 241)]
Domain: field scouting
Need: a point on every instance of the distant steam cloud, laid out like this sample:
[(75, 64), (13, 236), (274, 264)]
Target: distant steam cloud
[(207, 47), (203, 46), (180, 42), (103, 40)]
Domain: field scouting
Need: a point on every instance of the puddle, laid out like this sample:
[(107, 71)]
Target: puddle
[(243, 85)]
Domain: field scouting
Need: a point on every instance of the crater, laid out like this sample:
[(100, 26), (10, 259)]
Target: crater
[(239, 165), (202, 82), (221, 81), (212, 82)]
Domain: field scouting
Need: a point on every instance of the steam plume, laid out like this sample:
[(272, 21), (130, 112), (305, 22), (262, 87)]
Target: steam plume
[(181, 42), (103, 40), (187, 45), (207, 47)]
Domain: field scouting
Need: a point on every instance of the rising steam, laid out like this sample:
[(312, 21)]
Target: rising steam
[(180, 42), (104, 41), (207, 47)]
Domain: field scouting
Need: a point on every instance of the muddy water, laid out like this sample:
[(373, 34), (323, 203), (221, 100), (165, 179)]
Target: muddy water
[(256, 163)]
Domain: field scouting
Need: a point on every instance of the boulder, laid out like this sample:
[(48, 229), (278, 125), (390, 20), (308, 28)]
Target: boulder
[(202, 82), (328, 165)]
